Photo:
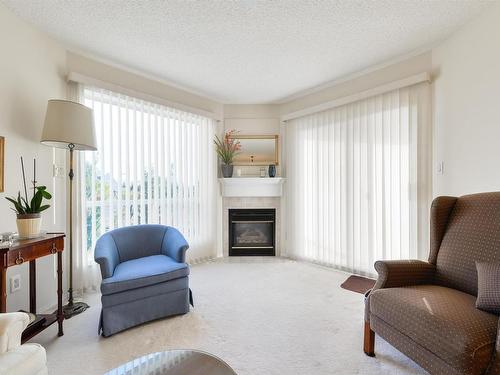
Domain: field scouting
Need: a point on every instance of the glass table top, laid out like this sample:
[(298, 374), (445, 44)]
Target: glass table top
[(175, 362)]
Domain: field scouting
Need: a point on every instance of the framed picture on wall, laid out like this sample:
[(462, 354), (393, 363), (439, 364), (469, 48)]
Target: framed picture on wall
[(2, 160)]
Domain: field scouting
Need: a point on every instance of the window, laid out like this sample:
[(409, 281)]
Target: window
[(154, 164), (353, 181)]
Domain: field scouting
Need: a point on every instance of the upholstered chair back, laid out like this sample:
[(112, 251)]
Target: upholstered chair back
[(138, 241), (464, 230)]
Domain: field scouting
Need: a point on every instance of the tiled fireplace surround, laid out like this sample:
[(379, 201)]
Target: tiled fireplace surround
[(249, 202)]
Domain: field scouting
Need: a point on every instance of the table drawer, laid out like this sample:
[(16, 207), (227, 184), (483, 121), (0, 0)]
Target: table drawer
[(20, 256)]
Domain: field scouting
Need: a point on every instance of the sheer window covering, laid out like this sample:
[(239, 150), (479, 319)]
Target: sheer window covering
[(154, 164), (358, 181)]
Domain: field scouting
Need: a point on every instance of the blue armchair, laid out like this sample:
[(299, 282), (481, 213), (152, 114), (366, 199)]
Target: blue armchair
[(144, 275)]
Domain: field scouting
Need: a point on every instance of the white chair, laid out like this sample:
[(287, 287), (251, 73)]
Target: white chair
[(17, 359)]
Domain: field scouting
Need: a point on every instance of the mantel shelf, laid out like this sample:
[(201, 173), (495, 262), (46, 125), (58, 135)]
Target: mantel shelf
[(252, 186)]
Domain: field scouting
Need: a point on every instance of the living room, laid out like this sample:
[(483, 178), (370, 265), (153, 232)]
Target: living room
[(289, 187)]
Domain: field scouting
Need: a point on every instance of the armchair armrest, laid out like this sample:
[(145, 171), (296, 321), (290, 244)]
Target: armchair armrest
[(397, 273), (12, 326), (106, 254), (174, 245)]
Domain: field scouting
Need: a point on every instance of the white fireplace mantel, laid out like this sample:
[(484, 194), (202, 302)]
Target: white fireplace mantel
[(252, 186)]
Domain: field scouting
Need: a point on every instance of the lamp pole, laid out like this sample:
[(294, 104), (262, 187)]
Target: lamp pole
[(72, 308), (71, 174), (69, 125)]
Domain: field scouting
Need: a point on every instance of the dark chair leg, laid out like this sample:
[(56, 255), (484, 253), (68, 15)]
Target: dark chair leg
[(369, 341)]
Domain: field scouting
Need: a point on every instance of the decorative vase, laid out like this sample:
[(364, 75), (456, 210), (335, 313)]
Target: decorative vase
[(272, 170), (227, 170), (28, 225)]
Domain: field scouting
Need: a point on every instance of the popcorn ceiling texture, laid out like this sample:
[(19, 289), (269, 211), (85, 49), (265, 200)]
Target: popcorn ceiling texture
[(247, 51)]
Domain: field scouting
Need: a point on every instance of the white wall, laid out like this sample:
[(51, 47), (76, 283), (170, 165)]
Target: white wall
[(466, 70), (362, 81), (32, 68), (123, 77), (253, 119)]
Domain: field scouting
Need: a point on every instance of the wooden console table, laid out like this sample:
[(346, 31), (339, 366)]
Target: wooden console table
[(22, 251)]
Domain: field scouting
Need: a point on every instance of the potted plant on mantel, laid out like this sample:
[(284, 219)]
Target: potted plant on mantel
[(227, 149), (29, 218)]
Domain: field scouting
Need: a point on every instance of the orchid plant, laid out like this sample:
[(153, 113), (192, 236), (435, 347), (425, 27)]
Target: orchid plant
[(228, 147), (25, 206)]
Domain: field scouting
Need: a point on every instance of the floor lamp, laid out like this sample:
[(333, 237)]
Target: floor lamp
[(70, 126)]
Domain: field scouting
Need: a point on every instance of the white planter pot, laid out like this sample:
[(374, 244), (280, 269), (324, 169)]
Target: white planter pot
[(28, 226)]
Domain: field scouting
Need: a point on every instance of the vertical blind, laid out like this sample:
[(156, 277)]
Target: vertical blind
[(352, 189), (154, 164)]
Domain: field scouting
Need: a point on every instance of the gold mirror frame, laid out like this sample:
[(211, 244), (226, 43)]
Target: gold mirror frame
[(276, 149)]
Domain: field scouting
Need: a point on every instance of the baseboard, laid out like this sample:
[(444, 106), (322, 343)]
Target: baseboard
[(200, 260), (330, 266), (51, 308)]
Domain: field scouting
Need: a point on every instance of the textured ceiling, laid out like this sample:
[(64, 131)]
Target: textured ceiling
[(247, 51)]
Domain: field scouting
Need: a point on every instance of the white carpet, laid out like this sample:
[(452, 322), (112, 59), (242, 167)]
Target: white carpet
[(262, 316)]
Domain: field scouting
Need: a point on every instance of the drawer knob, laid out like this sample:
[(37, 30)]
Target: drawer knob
[(54, 249), (19, 259)]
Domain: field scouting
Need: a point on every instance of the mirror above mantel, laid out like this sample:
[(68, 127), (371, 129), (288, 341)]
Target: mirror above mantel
[(257, 150)]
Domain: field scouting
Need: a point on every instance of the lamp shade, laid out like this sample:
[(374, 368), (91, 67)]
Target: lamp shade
[(69, 123)]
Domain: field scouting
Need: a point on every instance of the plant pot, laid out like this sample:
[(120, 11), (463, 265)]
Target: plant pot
[(28, 226), (227, 170)]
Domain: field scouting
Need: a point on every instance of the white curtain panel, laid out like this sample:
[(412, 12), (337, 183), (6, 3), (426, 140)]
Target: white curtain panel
[(154, 165), (358, 181), (86, 272)]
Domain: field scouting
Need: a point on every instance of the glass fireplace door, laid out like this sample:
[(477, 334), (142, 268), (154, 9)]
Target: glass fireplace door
[(252, 232)]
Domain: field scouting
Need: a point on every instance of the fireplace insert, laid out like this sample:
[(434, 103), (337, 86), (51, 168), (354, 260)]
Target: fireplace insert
[(252, 231)]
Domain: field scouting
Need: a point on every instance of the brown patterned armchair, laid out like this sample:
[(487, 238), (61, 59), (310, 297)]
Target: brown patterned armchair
[(427, 310)]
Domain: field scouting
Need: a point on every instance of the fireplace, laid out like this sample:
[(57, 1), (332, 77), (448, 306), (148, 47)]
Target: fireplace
[(252, 232)]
